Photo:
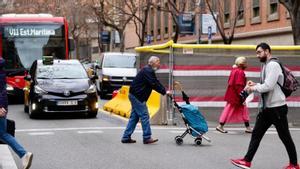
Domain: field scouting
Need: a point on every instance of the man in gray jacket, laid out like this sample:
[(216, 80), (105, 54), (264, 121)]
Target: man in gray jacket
[(273, 109)]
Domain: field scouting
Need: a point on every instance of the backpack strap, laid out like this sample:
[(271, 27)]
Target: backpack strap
[(282, 69)]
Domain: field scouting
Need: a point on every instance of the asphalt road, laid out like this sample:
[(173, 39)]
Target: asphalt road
[(75, 142)]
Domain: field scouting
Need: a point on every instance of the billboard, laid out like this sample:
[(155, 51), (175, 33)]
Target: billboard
[(208, 22), (186, 23)]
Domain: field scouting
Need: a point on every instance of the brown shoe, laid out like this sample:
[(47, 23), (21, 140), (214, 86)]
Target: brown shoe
[(221, 130), (128, 141), (150, 141)]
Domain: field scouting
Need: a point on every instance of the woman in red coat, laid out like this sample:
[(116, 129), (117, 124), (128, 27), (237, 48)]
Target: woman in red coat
[(235, 110)]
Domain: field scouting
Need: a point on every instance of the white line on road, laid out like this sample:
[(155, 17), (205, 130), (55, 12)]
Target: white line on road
[(41, 133), (88, 132), (122, 128)]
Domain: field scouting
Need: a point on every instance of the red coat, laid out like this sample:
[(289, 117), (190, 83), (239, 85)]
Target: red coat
[(236, 83)]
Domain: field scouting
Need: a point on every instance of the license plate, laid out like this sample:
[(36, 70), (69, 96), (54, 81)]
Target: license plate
[(67, 103)]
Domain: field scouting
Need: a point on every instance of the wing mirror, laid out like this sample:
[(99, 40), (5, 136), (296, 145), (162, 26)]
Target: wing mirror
[(27, 78)]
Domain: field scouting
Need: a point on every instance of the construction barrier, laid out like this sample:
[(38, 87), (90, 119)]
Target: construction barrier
[(203, 71), (120, 105)]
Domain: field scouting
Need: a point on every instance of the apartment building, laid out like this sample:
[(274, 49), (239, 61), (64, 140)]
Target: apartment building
[(257, 21)]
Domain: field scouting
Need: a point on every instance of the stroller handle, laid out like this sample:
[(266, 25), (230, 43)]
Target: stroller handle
[(173, 100)]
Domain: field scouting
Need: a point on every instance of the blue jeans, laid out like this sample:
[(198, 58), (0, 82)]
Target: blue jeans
[(139, 110), (9, 139)]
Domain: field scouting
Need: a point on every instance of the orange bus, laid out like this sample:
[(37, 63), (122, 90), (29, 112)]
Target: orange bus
[(25, 38)]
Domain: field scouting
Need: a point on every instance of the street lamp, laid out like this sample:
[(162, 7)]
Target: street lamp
[(201, 8)]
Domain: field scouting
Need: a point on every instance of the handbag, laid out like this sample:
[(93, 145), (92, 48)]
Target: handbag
[(10, 128)]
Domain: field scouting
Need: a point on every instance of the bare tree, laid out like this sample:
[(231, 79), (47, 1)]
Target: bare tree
[(111, 14), (293, 7), (140, 12), (175, 9), (227, 33), (77, 13), (6, 6)]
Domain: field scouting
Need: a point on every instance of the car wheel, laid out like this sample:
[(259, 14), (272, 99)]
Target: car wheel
[(102, 95), (92, 114), (31, 113)]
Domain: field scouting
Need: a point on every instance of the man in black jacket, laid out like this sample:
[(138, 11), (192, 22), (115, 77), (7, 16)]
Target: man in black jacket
[(139, 92), (25, 156)]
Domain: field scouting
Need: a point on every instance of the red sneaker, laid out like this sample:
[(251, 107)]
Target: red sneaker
[(291, 166), (241, 163)]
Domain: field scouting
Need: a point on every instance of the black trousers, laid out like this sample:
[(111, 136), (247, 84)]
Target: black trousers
[(278, 117)]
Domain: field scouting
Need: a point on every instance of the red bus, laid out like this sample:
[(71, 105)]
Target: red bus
[(25, 38)]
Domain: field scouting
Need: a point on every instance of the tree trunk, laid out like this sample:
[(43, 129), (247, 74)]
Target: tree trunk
[(122, 41), (296, 27), (77, 48)]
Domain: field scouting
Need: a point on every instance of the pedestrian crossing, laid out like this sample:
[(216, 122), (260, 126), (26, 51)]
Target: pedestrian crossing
[(103, 130)]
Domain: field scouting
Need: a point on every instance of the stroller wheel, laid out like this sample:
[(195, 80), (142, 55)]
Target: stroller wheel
[(198, 141), (178, 140)]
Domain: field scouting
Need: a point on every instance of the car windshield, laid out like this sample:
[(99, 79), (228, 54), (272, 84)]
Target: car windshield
[(119, 61), (61, 71)]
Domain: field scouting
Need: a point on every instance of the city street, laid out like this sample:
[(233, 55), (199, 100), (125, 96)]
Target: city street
[(77, 143)]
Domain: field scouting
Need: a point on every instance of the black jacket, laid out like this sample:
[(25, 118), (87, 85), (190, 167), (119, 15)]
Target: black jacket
[(144, 82), (3, 94)]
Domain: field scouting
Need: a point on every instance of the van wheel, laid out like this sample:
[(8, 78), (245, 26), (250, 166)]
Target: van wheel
[(92, 114), (102, 95)]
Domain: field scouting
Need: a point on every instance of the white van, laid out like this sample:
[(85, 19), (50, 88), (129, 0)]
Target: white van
[(116, 69)]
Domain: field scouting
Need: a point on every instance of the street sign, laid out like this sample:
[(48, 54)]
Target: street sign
[(148, 39), (209, 35), (208, 21), (105, 37)]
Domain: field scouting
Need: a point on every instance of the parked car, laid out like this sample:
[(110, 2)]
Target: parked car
[(116, 69), (59, 86)]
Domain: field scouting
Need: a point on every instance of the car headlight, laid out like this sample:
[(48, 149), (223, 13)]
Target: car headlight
[(91, 89), (39, 90), (9, 87), (105, 78)]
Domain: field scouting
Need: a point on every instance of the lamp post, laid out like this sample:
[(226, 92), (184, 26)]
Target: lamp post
[(201, 8)]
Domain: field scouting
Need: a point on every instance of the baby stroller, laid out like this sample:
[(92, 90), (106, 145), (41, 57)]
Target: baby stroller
[(194, 121)]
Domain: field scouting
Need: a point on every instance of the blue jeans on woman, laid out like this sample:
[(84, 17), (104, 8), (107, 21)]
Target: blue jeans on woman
[(139, 110), (9, 139)]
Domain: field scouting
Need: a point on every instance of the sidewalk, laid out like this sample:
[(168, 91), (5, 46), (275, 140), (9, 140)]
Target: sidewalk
[(6, 159)]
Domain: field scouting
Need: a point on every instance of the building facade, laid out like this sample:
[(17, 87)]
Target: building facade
[(256, 21)]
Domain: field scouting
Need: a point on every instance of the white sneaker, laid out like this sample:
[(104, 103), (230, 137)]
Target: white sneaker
[(26, 160)]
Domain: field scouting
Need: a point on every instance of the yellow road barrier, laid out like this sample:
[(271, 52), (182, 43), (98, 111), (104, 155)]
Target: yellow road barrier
[(121, 105)]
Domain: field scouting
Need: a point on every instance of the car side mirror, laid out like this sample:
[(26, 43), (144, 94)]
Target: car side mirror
[(27, 78)]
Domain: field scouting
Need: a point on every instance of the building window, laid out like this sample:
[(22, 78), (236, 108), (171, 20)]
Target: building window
[(158, 21), (166, 19), (95, 49), (240, 12), (226, 13), (273, 6), (152, 21), (273, 10), (255, 12), (214, 5)]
